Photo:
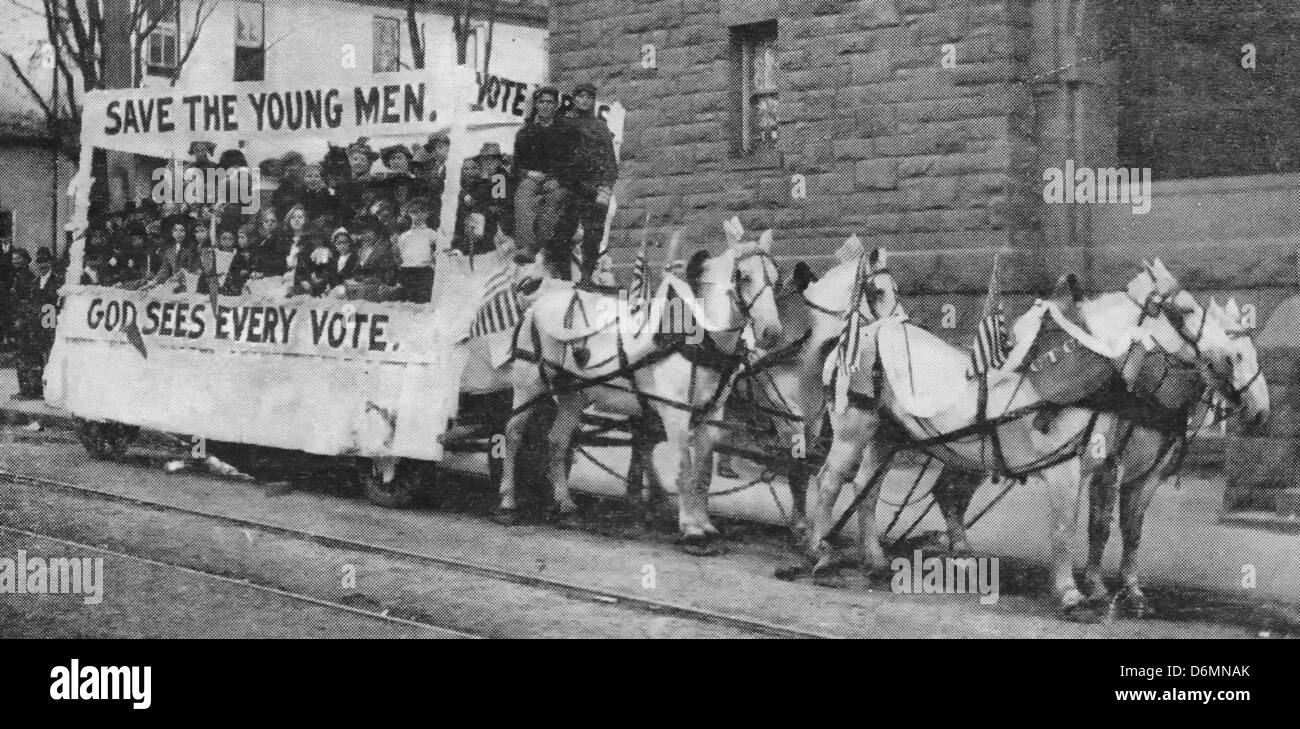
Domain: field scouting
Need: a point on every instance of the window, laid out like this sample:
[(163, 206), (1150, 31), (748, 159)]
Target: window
[(162, 48), (755, 49), (250, 43), (387, 45)]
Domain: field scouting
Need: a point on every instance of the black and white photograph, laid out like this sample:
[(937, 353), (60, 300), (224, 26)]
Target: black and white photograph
[(692, 319)]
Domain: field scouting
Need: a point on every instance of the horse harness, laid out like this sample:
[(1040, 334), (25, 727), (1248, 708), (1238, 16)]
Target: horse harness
[(706, 355)]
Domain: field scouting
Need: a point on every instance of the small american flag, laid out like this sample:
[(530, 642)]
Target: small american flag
[(991, 343), (501, 308)]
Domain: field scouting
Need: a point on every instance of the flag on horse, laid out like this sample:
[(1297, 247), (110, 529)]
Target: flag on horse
[(638, 292), (501, 309), (992, 344)]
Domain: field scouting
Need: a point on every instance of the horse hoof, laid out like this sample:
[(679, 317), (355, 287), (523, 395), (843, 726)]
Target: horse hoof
[(1135, 603), (565, 520), (700, 545), (791, 572), (505, 517), (1083, 612)]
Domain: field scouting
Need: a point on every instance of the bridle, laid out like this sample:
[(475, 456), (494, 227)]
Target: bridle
[(769, 283), (871, 296), (1157, 303)]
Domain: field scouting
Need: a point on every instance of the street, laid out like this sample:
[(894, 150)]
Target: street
[(150, 600)]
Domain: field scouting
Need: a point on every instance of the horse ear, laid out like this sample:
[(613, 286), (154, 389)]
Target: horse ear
[(765, 241), (695, 266), (879, 259), (1233, 312), (674, 246), (1216, 312), (802, 276), (851, 249), (734, 230)]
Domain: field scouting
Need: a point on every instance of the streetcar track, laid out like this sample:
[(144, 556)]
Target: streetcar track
[(300, 597), (572, 590)]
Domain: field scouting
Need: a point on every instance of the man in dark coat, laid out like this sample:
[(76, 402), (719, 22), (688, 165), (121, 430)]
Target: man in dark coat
[(37, 297), (7, 272), (540, 156), (588, 177)]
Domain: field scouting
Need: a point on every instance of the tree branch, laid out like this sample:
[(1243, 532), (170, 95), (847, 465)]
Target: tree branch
[(31, 89), (200, 19)]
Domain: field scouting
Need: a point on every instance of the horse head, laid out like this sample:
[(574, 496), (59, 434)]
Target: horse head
[(1214, 341), (1248, 381), (834, 292), (737, 288)]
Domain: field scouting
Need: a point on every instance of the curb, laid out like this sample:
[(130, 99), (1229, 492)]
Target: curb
[(13, 413)]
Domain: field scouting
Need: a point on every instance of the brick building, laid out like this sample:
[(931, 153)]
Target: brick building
[(926, 125)]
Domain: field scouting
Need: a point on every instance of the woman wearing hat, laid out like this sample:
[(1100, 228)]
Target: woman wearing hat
[(394, 180), (373, 278), (489, 194)]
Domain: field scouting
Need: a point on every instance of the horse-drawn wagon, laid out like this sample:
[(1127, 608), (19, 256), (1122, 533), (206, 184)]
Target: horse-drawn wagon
[(395, 391)]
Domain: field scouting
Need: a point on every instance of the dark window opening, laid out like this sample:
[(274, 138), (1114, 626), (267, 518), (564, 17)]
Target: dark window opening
[(755, 89)]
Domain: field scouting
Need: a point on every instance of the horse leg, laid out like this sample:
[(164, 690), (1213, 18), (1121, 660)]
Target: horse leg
[(853, 444), (693, 485), (1102, 490), (952, 494), (526, 391), (1134, 500), (1062, 482), (871, 553), (568, 417)]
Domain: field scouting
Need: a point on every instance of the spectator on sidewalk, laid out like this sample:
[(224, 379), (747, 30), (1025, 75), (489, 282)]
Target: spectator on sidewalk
[(37, 296), (8, 270)]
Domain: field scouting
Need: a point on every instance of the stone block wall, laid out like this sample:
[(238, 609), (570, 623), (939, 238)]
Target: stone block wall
[(932, 162)]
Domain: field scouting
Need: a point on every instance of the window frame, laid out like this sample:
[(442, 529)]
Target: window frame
[(164, 31), (374, 43), (744, 40), (258, 51)]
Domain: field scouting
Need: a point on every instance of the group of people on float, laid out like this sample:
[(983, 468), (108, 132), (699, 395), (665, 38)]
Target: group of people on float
[(361, 223)]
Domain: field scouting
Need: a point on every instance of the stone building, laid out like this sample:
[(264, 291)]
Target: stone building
[(926, 126)]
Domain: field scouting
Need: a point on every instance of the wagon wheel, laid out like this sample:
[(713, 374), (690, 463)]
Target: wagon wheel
[(409, 479), (106, 441)]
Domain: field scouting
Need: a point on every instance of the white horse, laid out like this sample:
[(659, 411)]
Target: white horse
[(1004, 424), (789, 374), (581, 348)]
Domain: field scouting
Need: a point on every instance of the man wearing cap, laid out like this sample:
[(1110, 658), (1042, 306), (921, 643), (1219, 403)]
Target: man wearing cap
[(588, 177), (540, 154)]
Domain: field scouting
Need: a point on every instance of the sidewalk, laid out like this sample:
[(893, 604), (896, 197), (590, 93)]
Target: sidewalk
[(22, 412)]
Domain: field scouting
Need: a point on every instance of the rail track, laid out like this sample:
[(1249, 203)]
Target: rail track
[(436, 631), (569, 589)]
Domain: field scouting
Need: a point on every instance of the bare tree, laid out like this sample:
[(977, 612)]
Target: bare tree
[(416, 33), (78, 31)]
